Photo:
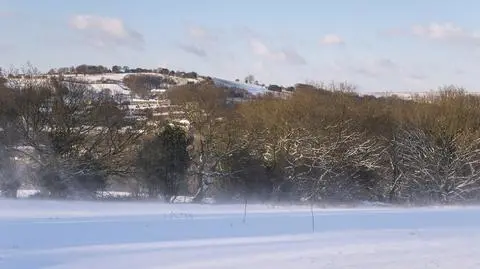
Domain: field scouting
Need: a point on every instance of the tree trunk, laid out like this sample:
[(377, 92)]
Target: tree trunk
[(200, 194)]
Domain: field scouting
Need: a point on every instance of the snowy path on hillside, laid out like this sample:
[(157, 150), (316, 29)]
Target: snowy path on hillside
[(119, 235)]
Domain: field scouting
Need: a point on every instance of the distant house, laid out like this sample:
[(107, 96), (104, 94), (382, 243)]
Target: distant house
[(274, 88), (180, 74)]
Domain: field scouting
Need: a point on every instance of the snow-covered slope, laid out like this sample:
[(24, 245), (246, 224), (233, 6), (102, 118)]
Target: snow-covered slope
[(99, 82), (74, 235), (99, 77), (114, 88), (118, 77), (251, 88)]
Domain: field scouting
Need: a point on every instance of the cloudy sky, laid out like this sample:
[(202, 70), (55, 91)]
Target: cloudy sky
[(376, 44)]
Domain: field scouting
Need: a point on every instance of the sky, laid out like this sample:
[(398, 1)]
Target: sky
[(376, 45)]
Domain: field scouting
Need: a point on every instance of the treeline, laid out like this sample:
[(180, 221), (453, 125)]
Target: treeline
[(63, 138), (317, 145), (142, 84), (334, 145), (86, 69)]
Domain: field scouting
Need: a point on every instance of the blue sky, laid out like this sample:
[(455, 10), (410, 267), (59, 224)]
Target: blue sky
[(376, 45)]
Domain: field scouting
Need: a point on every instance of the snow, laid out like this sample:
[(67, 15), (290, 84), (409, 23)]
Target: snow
[(158, 90), (121, 235), (251, 88), (28, 193), (99, 77), (108, 76), (114, 88)]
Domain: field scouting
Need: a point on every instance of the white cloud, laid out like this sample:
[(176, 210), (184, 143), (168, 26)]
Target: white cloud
[(260, 49), (293, 57), (197, 31), (199, 41), (447, 32), (195, 50), (374, 68), (386, 63), (105, 31), (331, 39), (203, 34), (439, 31), (289, 56)]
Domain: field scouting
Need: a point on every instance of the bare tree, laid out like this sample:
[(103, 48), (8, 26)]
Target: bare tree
[(78, 136), (142, 84), (250, 79), (443, 169), (215, 141), (211, 126), (334, 165)]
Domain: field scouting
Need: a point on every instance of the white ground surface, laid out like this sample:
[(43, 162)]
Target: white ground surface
[(78, 235)]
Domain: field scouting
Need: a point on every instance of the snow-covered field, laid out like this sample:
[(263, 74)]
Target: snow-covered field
[(144, 235)]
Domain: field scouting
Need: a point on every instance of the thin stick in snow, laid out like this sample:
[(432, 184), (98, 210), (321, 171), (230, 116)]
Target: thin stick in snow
[(245, 211), (313, 218)]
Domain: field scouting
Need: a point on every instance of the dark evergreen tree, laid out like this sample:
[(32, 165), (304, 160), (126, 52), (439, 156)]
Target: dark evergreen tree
[(164, 160)]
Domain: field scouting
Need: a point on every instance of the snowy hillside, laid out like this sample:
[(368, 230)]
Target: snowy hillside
[(77, 235), (251, 88), (118, 77), (99, 77), (114, 88), (100, 82)]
